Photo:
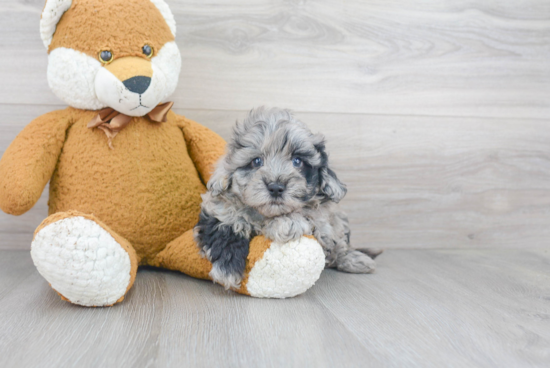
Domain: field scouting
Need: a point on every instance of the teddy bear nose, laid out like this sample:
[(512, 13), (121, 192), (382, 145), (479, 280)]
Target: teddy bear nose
[(137, 84), (276, 189)]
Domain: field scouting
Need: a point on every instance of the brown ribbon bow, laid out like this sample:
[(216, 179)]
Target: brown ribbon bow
[(112, 121)]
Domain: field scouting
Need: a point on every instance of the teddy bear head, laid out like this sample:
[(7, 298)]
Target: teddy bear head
[(120, 54)]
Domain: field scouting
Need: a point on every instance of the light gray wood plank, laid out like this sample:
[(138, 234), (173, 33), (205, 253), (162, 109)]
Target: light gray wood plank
[(296, 332), (16, 268), (422, 308), (414, 182), (452, 308), (35, 319), (466, 58)]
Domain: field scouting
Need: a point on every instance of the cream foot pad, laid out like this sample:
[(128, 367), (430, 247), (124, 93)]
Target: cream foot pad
[(82, 261), (287, 270)]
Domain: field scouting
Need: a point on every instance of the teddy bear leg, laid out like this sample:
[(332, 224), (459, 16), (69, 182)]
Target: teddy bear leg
[(182, 254), (83, 260), (272, 270)]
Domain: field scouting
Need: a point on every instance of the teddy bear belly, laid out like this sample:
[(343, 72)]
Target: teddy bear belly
[(146, 189)]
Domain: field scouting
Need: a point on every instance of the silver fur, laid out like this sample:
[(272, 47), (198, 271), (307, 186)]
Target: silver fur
[(239, 198)]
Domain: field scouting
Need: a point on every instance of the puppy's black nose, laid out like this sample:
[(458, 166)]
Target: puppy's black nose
[(137, 84), (276, 189)]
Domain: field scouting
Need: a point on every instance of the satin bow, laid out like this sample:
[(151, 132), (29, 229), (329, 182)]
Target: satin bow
[(112, 121)]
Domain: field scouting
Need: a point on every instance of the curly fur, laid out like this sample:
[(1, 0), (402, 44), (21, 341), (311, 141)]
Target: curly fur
[(240, 205)]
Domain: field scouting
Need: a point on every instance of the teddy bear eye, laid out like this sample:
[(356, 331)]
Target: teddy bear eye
[(147, 50), (105, 56)]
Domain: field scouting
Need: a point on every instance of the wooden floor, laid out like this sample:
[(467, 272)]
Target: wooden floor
[(422, 308)]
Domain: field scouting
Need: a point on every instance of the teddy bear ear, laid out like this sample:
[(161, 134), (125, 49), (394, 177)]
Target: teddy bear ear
[(53, 10), (166, 14)]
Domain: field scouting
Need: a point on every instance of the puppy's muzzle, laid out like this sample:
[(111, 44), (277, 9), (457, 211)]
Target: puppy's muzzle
[(276, 189)]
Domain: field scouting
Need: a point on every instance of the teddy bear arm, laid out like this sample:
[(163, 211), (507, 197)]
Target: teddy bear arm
[(29, 162), (205, 147)]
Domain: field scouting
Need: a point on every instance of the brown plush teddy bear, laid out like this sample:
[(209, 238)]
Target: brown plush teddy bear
[(126, 173)]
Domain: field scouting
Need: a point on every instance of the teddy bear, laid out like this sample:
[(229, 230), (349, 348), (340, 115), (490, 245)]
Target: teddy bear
[(126, 173)]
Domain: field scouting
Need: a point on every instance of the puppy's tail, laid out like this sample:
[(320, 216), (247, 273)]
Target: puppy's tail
[(371, 252)]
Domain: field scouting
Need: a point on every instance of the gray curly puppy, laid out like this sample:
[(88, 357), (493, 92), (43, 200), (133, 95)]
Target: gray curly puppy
[(274, 180)]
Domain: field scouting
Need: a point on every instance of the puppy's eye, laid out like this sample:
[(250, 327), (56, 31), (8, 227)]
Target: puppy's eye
[(257, 162), (147, 51), (297, 162), (105, 56)]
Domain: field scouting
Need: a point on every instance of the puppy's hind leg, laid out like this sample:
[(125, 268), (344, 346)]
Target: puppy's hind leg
[(349, 259), (226, 250), (354, 261), (371, 252)]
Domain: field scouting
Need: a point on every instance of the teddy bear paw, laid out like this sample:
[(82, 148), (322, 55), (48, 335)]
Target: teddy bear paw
[(286, 270), (82, 262)]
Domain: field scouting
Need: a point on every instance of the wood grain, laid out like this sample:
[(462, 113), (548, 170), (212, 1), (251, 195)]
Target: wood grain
[(414, 182), (436, 115), (448, 308), (422, 308), (448, 58)]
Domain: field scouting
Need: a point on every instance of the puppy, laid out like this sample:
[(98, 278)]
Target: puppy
[(274, 180)]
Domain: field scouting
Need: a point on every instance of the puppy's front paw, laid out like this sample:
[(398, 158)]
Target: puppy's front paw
[(225, 276), (224, 248), (355, 262), (284, 229)]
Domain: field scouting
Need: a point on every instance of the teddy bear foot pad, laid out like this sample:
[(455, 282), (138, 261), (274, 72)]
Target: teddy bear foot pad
[(82, 261), (286, 270)]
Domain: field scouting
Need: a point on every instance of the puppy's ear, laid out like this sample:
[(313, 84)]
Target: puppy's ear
[(329, 184), (220, 181)]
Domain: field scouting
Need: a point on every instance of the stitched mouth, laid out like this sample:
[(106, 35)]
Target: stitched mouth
[(137, 107), (140, 105)]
